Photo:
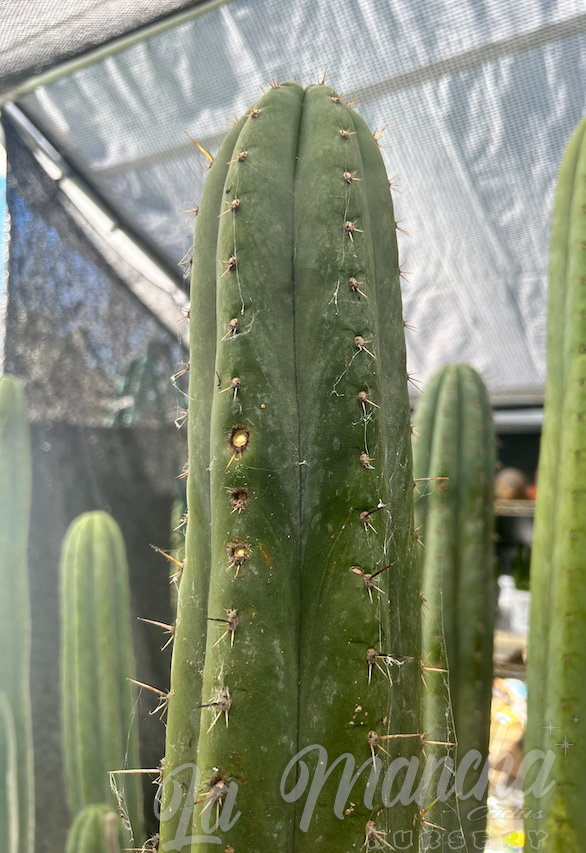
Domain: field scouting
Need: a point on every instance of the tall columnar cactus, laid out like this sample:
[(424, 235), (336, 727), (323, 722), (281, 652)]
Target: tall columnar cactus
[(16, 786), (455, 440), (556, 677), (9, 814), (300, 581), (96, 829), (97, 661)]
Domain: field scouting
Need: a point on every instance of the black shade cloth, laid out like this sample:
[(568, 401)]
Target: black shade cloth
[(96, 366)]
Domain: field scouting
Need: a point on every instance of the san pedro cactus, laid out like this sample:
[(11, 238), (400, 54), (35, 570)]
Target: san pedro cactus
[(455, 440), (96, 829), (16, 744), (556, 677), (97, 661), (8, 778), (299, 609)]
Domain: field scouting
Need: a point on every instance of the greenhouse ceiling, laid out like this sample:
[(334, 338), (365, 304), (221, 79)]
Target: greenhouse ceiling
[(478, 98)]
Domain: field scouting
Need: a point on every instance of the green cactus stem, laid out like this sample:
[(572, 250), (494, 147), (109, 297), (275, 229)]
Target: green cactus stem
[(97, 662), (9, 814), (299, 609), (15, 627), (96, 829), (556, 676), (455, 519)]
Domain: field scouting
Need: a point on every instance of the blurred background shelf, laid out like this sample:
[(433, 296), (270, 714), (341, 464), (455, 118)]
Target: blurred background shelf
[(514, 508)]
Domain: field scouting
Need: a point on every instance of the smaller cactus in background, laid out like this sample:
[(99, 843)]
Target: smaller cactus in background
[(96, 829), (8, 779), (456, 442), (16, 742), (97, 662)]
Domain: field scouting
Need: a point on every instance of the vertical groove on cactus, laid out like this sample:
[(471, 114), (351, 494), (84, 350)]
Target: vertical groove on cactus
[(456, 441), (15, 497), (97, 661), (96, 829), (311, 380), (557, 639)]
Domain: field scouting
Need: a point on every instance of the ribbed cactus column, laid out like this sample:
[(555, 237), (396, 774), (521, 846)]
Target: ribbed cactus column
[(96, 829), (17, 786), (9, 813), (556, 677), (455, 440), (299, 493), (97, 661)]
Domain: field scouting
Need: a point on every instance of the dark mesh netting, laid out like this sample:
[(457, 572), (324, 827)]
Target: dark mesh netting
[(96, 367)]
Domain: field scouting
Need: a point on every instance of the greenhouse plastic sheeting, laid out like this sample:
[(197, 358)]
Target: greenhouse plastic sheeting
[(39, 33), (480, 99)]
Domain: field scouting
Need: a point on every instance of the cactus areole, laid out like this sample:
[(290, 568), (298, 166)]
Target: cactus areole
[(299, 610)]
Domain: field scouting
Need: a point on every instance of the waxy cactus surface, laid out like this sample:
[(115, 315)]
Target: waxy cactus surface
[(16, 744), (97, 662), (556, 676), (454, 455), (299, 610)]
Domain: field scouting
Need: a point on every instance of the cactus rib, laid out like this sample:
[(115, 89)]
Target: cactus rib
[(556, 658)]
